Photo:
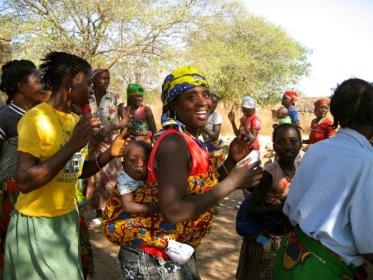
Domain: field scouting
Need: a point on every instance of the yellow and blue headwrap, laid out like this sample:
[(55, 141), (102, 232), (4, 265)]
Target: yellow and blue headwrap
[(176, 83)]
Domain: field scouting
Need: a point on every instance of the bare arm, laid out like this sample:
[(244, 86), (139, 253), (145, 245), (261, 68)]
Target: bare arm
[(32, 174), (369, 257), (176, 205), (255, 209), (116, 150), (235, 128), (132, 207), (150, 120)]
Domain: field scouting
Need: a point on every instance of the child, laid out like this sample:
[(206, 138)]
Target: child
[(283, 115), (211, 131), (288, 101), (260, 219), (250, 124), (132, 177), (321, 126)]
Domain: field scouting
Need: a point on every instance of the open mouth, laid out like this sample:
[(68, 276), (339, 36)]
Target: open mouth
[(202, 114)]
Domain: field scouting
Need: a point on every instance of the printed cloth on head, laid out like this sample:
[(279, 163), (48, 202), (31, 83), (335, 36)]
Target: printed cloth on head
[(176, 83), (98, 72), (293, 95), (248, 102), (135, 89), (322, 102)]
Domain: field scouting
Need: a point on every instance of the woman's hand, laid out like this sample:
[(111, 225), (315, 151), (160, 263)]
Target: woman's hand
[(239, 149), (231, 115), (119, 144), (83, 131), (245, 175)]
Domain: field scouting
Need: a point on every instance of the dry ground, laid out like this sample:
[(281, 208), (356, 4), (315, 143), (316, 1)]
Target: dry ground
[(217, 255)]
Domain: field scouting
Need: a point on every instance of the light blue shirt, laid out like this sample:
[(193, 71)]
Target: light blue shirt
[(331, 197), (127, 184)]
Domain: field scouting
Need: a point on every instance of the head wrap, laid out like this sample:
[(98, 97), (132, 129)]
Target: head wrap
[(175, 84), (98, 72), (291, 94), (248, 102), (322, 101), (133, 89)]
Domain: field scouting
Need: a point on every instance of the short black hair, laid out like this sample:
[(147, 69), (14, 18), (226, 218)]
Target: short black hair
[(57, 66), (13, 73), (352, 103), (285, 126), (145, 146)]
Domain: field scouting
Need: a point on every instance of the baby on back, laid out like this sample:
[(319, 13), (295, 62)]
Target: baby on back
[(132, 177)]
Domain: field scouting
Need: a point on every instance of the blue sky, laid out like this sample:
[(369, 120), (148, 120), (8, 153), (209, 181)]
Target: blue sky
[(339, 33)]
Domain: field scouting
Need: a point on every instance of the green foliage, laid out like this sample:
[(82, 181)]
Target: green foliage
[(141, 41), (245, 55)]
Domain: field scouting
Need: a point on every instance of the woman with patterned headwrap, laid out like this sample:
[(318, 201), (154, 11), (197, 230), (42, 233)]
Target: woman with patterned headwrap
[(141, 119), (182, 178)]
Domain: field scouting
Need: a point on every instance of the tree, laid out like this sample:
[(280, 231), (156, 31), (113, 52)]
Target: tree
[(133, 33), (245, 55)]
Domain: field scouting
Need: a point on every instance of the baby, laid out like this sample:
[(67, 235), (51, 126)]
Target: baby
[(132, 177), (283, 115)]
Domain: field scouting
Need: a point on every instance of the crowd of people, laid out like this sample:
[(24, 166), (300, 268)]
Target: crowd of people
[(68, 144)]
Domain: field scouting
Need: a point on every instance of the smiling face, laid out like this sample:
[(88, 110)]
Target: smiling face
[(287, 142), (31, 88), (193, 107)]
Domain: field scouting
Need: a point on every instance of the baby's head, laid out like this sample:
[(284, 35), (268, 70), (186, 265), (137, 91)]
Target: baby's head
[(135, 160), (282, 112)]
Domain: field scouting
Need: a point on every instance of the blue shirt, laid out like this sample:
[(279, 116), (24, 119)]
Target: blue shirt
[(293, 114), (331, 195)]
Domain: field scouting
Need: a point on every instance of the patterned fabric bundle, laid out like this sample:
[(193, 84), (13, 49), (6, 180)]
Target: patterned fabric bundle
[(124, 229)]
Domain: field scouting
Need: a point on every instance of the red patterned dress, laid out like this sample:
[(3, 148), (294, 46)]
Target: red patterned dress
[(151, 229)]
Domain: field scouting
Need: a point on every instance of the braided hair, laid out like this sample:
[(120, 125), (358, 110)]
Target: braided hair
[(13, 73), (352, 103), (57, 66)]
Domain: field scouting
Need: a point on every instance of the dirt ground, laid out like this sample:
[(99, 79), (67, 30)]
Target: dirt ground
[(217, 255)]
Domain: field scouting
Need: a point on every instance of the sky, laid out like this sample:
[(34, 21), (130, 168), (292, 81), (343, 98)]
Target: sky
[(338, 32)]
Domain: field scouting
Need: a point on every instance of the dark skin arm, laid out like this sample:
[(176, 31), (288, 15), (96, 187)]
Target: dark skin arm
[(176, 205), (214, 132), (132, 207), (369, 257), (255, 209), (1, 146), (32, 174), (231, 117), (150, 120)]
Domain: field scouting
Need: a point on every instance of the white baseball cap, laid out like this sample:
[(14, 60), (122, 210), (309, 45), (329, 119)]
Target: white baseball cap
[(248, 102)]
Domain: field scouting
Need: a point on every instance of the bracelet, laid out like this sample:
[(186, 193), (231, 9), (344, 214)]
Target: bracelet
[(98, 164), (225, 170)]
